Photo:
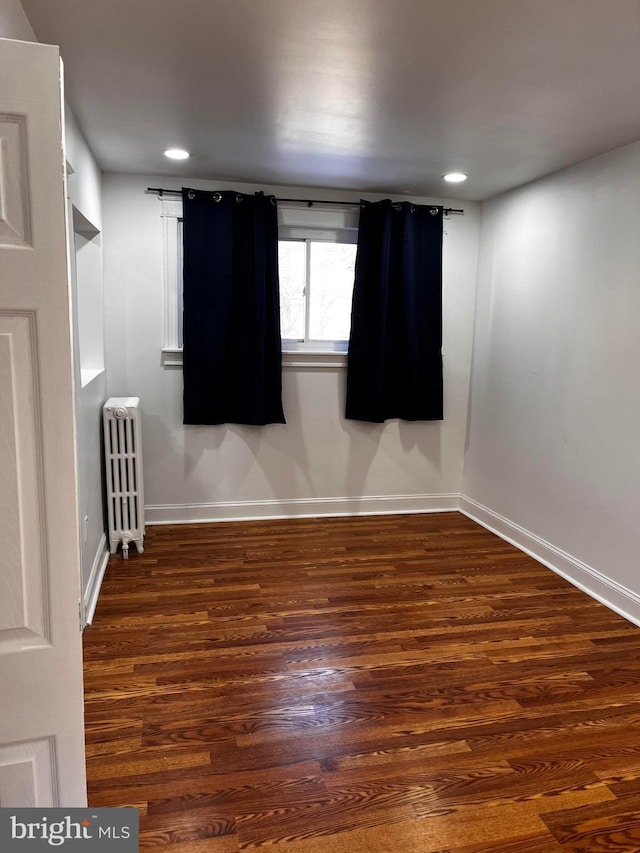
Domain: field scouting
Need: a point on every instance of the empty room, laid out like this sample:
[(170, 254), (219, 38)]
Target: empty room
[(320, 443)]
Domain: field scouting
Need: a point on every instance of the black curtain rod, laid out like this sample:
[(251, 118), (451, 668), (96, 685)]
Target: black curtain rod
[(308, 201)]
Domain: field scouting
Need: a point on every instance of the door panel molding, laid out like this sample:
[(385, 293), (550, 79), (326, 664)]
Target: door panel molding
[(24, 604)]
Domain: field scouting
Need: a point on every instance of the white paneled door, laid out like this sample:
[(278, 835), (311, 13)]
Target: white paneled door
[(41, 714)]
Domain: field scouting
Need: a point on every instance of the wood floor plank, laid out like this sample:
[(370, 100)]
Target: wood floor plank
[(360, 685), (613, 826)]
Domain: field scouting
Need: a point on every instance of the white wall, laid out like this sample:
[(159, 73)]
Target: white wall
[(554, 439), (14, 24), (318, 460), (85, 184), (85, 216)]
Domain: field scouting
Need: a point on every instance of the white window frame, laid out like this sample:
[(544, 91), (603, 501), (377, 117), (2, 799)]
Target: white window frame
[(296, 221), (171, 223), (320, 223)]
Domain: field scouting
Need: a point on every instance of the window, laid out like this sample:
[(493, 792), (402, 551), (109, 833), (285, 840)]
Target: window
[(172, 268), (316, 252)]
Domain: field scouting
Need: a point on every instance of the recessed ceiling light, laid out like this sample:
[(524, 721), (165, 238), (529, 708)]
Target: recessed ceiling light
[(455, 177), (176, 154)]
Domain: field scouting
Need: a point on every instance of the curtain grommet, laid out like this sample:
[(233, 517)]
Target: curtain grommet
[(191, 195), (273, 200), (217, 197), (433, 211), (239, 198)]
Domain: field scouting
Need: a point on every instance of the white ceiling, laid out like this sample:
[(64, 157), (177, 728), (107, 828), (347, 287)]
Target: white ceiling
[(377, 95)]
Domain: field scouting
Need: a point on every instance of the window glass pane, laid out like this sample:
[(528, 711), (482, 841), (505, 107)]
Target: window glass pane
[(291, 267), (331, 280)]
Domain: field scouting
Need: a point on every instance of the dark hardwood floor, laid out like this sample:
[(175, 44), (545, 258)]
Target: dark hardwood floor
[(406, 684)]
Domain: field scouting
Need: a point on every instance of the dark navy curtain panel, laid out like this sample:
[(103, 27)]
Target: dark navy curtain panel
[(232, 357), (395, 349)]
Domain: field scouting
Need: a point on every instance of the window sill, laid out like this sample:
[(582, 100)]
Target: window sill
[(171, 357), (313, 359), (291, 359), (87, 375)]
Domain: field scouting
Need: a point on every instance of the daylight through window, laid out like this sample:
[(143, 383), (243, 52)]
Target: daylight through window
[(316, 257), (316, 254), (316, 285)]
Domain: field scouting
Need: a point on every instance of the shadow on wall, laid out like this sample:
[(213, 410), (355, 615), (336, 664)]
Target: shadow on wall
[(364, 446), (273, 461), (290, 470), (371, 444), (316, 455), (218, 460)]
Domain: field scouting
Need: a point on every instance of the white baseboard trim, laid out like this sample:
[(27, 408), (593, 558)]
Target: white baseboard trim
[(605, 590), (299, 508), (92, 591)]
